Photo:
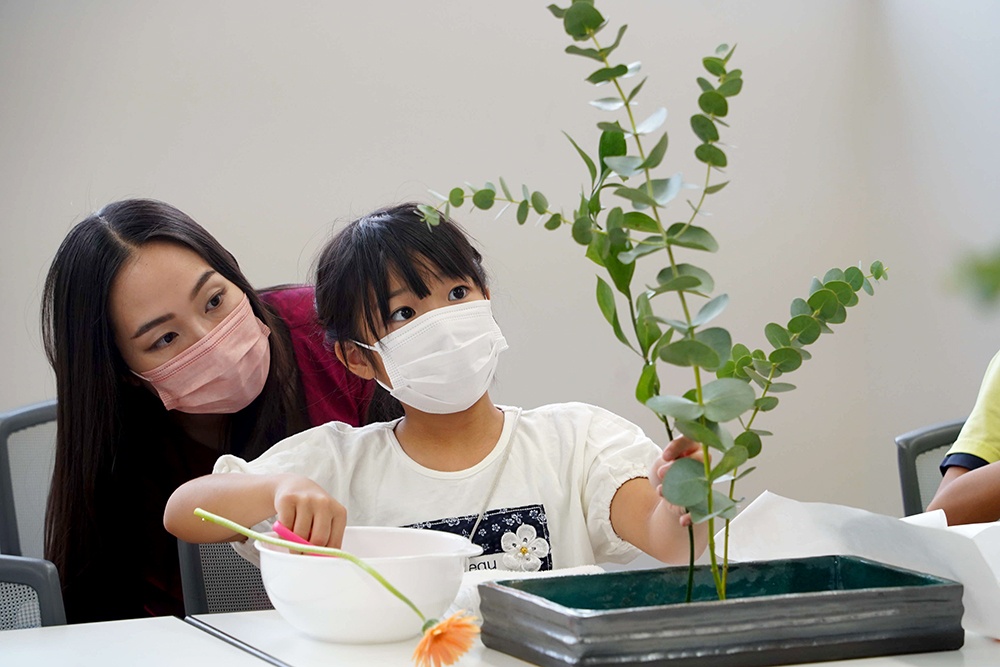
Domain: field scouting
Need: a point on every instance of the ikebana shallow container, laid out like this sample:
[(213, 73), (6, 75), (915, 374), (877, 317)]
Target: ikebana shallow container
[(776, 613), (334, 600)]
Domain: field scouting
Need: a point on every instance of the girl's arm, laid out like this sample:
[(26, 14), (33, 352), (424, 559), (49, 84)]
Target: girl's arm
[(299, 503), (640, 516), (969, 496)]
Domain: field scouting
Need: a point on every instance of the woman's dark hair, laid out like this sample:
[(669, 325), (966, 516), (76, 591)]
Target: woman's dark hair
[(100, 414), (353, 269)]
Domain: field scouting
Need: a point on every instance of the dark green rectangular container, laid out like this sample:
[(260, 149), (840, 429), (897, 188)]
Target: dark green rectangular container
[(776, 613)]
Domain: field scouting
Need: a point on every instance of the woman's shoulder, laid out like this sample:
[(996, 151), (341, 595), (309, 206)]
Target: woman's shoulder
[(295, 304)]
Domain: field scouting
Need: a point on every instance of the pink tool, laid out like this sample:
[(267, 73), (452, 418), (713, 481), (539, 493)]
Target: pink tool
[(286, 534)]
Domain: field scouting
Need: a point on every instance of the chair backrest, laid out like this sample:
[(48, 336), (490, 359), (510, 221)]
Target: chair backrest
[(920, 454), (216, 579), (27, 456), (30, 595)]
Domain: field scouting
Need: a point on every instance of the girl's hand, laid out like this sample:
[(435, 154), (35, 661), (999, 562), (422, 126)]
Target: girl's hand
[(310, 512), (679, 448)]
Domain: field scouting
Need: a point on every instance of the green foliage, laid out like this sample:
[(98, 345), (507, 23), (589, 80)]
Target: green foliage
[(743, 382)]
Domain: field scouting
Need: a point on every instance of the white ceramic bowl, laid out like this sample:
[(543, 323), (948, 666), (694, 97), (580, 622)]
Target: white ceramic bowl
[(335, 600)]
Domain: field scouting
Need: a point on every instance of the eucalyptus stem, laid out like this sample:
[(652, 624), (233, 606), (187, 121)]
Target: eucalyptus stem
[(690, 588), (308, 548), (720, 588)]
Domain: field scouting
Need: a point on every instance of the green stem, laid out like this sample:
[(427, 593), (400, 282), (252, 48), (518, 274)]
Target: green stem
[(687, 315), (690, 563), (307, 548)]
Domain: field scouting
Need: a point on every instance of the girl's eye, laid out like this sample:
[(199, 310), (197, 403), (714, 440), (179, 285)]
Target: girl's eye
[(401, 314), (458, 293), (214, 302), (163, 341)]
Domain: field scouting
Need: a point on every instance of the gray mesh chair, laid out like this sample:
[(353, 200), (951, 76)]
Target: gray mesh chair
[(920, 455), (30, 595), (216, 579), (27, 456)]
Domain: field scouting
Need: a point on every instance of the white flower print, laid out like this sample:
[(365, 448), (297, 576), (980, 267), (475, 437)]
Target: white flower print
[(524, 551)]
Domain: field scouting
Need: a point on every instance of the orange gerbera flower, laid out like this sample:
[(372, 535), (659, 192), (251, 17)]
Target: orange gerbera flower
[(446, 642)]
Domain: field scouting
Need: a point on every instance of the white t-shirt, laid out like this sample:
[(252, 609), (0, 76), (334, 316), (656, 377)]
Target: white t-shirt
[(551, 506)]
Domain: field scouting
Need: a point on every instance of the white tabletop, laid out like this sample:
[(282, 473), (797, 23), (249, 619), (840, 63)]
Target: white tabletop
[(268, 632), (149, 642)]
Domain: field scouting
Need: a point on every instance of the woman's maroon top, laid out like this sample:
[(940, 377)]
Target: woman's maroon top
[(331, 392)]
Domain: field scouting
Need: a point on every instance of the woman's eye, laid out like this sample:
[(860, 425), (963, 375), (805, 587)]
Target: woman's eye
[(401, 314), (458, 293), (163, 341), (214, 302)]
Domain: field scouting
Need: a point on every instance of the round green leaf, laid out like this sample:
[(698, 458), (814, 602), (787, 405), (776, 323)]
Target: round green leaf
[(734, 457), (714, 66), (522, 212), (800, 307), (704, 128), (766, 403), (554, 222), (710, 311), (726, 399), (876, 270), (690, 353), (456, 197), (640, 222), (841, 289), (854, 277), (698, 238), (676, 406), (709, 154), (824, 301), (719, 340), (483, 198), (705, 281), (740, 350), (840, 316), (581, 19), (833, 274), (731, 87), (713, 104), (776, 335), (806, 327), (684, 483), (751, 441), (539, 202), (583, 231), (787, 359), (699, 433), (739, 368)]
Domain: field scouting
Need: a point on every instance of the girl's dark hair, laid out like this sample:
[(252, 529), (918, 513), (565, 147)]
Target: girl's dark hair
[(353, 269), (101, 415)]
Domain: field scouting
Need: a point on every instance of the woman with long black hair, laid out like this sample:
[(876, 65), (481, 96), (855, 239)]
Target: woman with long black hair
[(165, 358)]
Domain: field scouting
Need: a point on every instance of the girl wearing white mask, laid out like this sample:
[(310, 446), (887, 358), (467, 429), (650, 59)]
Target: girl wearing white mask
[(552, 487)]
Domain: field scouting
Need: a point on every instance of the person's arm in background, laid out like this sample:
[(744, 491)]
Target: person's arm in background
[(969, 496), (970, 490)]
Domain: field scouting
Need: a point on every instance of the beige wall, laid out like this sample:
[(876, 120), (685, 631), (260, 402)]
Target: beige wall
[(865, 131)]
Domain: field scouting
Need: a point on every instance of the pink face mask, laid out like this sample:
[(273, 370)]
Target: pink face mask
[(220, 374)]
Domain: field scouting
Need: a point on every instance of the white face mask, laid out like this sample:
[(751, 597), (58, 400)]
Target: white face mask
[(443, 361)]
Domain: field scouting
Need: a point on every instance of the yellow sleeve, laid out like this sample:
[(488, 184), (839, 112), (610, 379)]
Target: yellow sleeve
[(981, 434)]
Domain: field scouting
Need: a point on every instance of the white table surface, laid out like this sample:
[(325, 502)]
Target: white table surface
[(140, 642), (268, 632)]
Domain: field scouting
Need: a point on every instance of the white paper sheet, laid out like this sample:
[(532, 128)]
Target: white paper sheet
[(772, 527)]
